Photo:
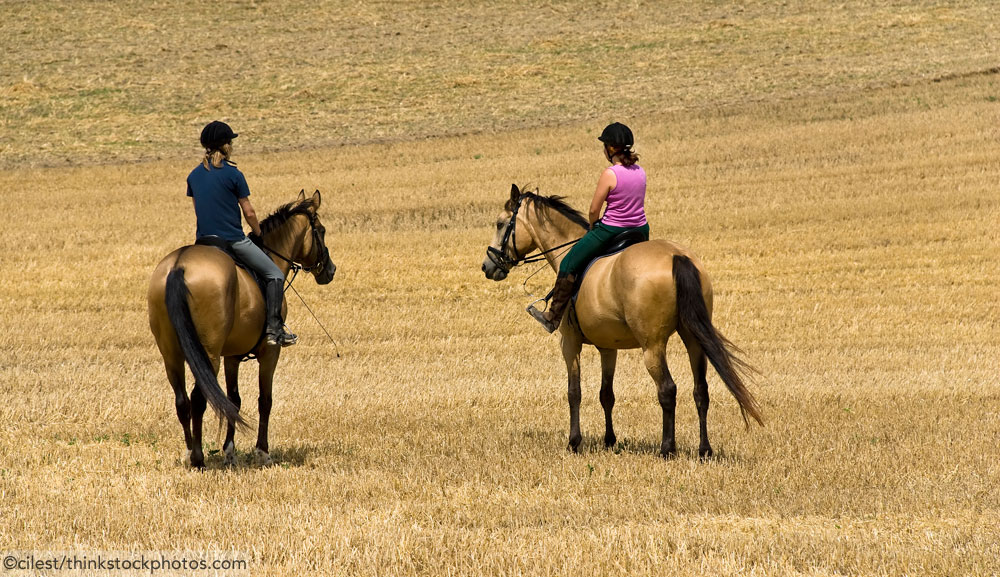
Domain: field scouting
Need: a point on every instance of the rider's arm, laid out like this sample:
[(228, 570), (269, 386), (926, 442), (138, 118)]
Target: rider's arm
[(605, 185), (250, 215)]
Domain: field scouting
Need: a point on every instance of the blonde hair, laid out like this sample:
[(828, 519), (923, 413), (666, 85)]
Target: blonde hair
[(215, 156)]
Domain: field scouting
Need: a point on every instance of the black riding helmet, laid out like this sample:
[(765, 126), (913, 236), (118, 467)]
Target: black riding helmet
[(617, 134), (215, 134)]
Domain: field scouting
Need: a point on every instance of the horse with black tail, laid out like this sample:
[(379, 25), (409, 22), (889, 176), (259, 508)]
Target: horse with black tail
[(203, 308), (636, 298)]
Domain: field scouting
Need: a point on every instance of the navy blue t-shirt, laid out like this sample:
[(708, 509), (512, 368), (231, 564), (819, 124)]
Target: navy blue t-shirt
[(216, 194)]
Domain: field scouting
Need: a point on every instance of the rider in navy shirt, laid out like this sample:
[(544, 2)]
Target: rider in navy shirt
[(216, 194), (220, 192)]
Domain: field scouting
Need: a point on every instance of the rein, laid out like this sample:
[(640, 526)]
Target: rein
[(502, 260)]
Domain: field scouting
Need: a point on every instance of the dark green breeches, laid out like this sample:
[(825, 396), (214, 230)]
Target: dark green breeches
[(590, 246)]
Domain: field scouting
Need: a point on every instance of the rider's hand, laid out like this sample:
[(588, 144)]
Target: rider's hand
[(256, 239)]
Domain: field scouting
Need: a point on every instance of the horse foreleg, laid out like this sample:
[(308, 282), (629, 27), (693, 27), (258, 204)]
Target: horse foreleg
[(232, 368), (267, 362), (609, 358), (655, 359), (571, 346)]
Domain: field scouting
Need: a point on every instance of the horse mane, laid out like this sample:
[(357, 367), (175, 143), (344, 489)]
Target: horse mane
[(556, 203), (284, 213)]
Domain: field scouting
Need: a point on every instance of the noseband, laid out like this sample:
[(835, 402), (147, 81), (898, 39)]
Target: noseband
[(502, 260), (499, 256)]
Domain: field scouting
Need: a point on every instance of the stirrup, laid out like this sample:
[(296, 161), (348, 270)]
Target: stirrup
[(283, 338), (539, 316)]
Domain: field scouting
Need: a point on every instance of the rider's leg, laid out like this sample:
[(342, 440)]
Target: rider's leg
[(582, 253), (255, 258)]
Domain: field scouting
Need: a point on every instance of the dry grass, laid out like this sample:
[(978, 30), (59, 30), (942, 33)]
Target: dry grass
[(137, 80), (851, 234)]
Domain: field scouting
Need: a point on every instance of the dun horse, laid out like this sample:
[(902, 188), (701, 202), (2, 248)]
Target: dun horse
[(637, 298), (202, 308)]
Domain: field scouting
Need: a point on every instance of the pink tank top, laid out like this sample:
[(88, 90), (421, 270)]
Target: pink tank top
[(626, 200)]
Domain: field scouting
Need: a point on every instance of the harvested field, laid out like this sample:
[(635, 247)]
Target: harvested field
[(835, 168)]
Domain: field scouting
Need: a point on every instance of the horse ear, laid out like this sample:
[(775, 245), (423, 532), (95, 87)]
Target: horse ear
[(302, 194), (316, 200), (515, 192)]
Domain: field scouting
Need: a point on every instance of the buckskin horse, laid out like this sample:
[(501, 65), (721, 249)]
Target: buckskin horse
[(203, 308), (636, 298)]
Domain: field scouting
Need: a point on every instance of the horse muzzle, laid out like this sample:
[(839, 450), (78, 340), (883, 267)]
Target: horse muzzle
[(492, 271), (325, 275)]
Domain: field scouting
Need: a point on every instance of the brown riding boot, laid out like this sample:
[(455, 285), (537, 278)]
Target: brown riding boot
[(561, 295)]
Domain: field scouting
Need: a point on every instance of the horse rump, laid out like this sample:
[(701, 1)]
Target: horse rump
[(179, 313)]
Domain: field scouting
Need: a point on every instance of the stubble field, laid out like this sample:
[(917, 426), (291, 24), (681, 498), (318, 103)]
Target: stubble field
[(835, 168)]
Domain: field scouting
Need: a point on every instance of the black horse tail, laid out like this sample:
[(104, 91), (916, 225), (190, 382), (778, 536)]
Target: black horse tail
[(179, 312), (719, 350)]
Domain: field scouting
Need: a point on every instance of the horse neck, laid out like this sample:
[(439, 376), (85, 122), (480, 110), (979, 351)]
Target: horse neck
[(548, 233), (286, 240)]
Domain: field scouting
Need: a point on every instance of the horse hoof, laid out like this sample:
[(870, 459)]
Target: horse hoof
[(705, 454), (262, 459), (610, 441), (230, 459), (668, 452)]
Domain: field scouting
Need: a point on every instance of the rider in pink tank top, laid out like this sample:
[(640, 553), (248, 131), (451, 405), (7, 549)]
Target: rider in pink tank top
[(622, 187), (626, 201)]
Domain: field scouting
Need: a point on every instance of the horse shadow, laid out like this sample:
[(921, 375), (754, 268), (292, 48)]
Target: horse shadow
[(246, 460), (594, 444)]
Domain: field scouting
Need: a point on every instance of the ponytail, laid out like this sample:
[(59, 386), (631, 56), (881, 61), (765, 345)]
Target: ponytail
[(626, 154), (214, 157)]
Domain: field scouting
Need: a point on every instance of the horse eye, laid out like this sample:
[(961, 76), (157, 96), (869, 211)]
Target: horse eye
[(499, 225)]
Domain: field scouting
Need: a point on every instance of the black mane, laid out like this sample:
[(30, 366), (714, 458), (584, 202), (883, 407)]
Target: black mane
[(558, 204), (284, 213)]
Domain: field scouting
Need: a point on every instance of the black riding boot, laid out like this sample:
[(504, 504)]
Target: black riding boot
[(275, 332), (561, 295)]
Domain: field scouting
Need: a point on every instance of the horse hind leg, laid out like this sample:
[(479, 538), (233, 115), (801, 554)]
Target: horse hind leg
[(699, 369), (655, 359), (609, 359), (198, 405), (175, 375)]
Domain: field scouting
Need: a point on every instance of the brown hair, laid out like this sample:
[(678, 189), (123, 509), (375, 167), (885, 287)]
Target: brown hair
[(626, 154), (215, 156)]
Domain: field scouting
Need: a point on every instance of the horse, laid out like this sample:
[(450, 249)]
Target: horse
[(203, 308), (636, 298)]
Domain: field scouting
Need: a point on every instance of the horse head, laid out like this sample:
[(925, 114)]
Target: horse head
[(303, 245), (507, 249)]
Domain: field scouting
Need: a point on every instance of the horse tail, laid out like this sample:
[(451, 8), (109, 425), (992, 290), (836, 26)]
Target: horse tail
[(179, 313), (694, 316)]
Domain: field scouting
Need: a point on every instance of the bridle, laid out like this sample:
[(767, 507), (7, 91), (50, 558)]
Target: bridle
[(319, 265), (499, 256)]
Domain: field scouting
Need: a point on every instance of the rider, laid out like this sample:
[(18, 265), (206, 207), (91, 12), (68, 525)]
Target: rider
[(219, 192), (623, 187)]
